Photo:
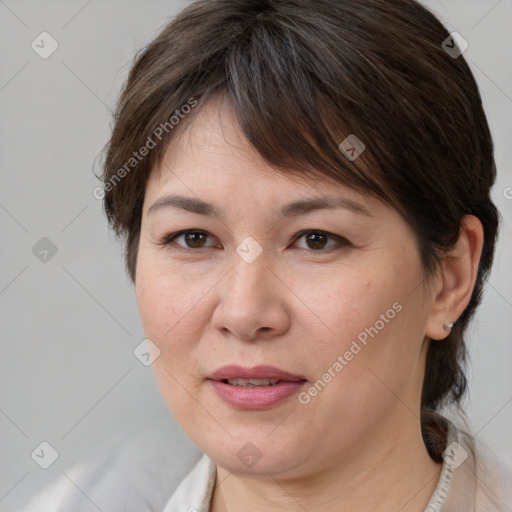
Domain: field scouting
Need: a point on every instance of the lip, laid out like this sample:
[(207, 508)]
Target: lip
[(257, 372), (258, 397)]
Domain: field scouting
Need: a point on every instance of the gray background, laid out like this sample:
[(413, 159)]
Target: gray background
[(67, 370)]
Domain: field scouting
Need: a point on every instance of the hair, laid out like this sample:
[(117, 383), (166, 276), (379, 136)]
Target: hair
[(301, 76)]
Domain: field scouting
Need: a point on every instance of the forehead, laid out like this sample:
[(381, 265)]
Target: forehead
[(211, 155)]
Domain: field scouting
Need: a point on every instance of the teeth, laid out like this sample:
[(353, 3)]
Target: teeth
[(249, 383)]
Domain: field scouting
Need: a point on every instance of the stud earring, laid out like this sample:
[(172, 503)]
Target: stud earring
[(448, 327)]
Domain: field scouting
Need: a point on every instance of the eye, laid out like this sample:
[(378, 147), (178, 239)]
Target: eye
[(193, 239), (317, 240)]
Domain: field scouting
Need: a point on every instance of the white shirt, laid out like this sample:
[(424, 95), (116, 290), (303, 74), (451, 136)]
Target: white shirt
[(151, 483)]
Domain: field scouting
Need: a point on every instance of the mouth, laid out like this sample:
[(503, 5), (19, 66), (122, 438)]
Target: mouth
[(251, 383), (257, 376), (257, 388)]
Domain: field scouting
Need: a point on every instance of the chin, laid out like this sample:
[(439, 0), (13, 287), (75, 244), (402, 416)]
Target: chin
[(257, 458)]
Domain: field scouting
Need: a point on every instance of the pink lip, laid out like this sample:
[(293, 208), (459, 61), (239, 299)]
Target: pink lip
[(257, 372), (255, 398)]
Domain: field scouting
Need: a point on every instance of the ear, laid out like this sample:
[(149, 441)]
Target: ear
[(456, 279)]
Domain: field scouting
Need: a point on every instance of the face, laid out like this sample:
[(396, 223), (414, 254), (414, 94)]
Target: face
[(333, 296)]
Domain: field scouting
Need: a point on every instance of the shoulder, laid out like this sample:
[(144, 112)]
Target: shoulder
[(138, 473), (472, 478), (481, 480), (493, 490)]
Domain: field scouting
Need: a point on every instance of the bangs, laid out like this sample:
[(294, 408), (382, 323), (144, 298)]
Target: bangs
[(291, 116), (292, 106)]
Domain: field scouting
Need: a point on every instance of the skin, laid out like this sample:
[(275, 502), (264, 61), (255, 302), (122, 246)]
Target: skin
[(357, 444)]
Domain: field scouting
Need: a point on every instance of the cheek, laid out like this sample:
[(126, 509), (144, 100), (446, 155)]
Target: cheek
[(173, 307), (166, 296), (167, 312), (157, 305), (361, 326), (366, 319), (349, 302)]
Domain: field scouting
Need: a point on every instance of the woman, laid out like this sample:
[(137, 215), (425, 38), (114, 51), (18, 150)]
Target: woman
[(304, 191)]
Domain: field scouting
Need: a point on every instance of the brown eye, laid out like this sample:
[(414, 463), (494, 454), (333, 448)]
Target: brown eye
[(192, 239), (195, 239), (318, 240)]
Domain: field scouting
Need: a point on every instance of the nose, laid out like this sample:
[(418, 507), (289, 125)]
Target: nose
[(252, 302)]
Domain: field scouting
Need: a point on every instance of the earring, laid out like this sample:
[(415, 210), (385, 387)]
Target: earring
[(448, 327)]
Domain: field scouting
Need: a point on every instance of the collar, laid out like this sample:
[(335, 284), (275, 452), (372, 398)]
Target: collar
[(195, 491), (456, 487)]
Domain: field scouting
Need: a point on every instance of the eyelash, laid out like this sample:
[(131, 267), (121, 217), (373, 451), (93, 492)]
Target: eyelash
[(169, 240)]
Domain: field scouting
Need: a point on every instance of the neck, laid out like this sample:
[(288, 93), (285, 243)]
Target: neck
[(392, 472)]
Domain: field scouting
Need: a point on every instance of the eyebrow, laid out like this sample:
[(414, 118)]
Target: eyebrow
[(293, 209)]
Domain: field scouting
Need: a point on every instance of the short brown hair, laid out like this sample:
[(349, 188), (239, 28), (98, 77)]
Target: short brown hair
[(301, 75)]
